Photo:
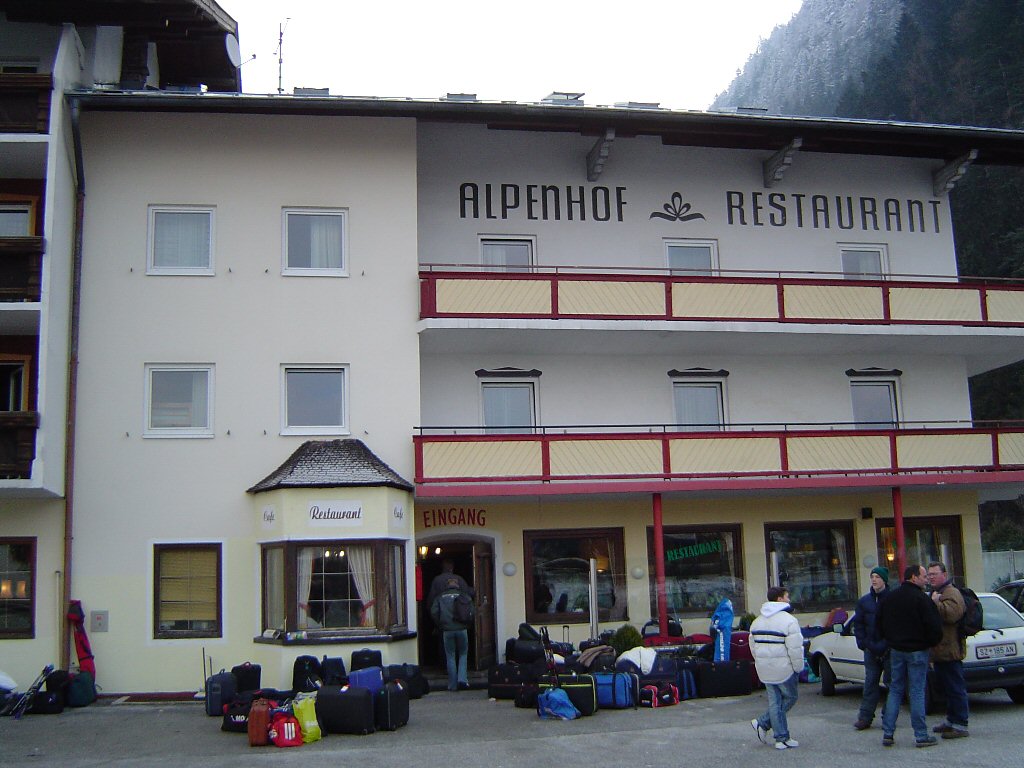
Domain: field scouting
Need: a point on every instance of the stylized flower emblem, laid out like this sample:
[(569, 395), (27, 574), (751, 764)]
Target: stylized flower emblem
[(676, 210)]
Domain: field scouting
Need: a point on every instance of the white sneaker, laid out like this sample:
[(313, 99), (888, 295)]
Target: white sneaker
[(787, 744), (761, 732)]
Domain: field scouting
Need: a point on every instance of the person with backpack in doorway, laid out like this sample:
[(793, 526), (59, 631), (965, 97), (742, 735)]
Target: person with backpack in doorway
[(452, 612), (948, 655), (871, 642)]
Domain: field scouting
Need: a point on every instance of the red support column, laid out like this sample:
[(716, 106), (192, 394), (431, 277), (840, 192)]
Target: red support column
[(659, 567), (901, 549)]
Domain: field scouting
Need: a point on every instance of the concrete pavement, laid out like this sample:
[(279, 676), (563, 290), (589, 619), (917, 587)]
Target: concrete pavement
[(468, 730)]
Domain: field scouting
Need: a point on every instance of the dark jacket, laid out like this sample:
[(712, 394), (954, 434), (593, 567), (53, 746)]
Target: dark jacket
[(951, 608), (909, 620), (865, 623), (443, 611)]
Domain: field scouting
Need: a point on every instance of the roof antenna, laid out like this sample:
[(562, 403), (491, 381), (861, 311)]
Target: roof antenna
[(281, 27)]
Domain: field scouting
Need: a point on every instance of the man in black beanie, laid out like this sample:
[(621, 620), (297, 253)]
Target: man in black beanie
[(871, 642)]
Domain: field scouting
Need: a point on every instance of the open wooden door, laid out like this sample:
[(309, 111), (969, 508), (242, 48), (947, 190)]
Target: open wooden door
[(483, 581)]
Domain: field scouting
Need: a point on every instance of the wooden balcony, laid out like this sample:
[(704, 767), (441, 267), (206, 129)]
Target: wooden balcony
[(21, 266), (652, 457), (17, 444), (25, 103), (561, 293)]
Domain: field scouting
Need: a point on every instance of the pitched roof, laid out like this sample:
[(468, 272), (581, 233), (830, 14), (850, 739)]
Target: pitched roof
[(332, 464)]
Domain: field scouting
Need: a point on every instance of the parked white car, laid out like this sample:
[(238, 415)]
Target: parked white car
[(995, 656)]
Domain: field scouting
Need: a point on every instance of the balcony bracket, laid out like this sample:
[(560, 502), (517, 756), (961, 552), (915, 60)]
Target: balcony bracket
[(946, 177), (774, 168), (598, 154)]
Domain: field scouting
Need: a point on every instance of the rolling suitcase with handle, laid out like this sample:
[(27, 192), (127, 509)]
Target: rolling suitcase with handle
[(345, 710), (391, 706)]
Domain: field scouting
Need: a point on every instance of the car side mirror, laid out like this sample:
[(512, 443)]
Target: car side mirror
[(837, 628)]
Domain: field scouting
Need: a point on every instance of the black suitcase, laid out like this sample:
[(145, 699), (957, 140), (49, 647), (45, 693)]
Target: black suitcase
[(45, 703), (332, 671), (306, 674), (247, 676), (523, 651), (581, 689), (220, 689), (57, 682), (526, 696), (505, 680), (723, 678), (348, 710), (391, 707), (411, 677), (364, 658)]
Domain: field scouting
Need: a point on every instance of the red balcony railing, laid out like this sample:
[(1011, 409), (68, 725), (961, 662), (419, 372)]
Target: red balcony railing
[(772, 455), (636, 294), (21, 264), (25, 103)]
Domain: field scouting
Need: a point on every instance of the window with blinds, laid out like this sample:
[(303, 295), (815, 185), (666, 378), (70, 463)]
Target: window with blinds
[(187, 599)]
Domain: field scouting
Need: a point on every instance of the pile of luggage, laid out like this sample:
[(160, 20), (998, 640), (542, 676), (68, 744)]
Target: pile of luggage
[(50, 693), (324, 698), (594, 678)]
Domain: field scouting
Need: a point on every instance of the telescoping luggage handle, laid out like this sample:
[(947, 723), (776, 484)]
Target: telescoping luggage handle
[(549, 657)]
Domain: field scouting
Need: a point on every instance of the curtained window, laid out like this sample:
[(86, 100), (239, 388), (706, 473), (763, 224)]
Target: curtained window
[(508, 407), (339, 586), (180, 241), (314, 242), (187, 590)]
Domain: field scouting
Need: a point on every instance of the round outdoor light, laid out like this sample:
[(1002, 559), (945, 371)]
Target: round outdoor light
[(509, 569), (636, 572)]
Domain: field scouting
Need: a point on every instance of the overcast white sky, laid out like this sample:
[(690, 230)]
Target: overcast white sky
[(681, 53)]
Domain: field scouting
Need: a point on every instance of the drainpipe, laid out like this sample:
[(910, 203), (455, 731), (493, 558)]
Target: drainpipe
[(69, 447), (659, 566), (901, 548)]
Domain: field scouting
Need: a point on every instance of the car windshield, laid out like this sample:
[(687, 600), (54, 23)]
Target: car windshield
[(998, 614)]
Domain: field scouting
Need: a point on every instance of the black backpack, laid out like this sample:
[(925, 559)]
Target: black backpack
[(306, 675), (973, 620), (462, 610)]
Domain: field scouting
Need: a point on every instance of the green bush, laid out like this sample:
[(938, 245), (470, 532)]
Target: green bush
[(627, 636)]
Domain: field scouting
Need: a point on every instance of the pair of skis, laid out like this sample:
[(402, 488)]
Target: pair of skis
[(22, 703)]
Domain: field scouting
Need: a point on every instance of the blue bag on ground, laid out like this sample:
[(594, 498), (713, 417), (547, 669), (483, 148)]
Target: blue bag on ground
[(616, 690), (554, 704)]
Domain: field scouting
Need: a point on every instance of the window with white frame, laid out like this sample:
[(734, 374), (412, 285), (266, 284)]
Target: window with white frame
[(512, 254), (314, 399), (692, 257), (875, 402), (863, 262), (314, 241), (179, 401), (15, 219), (180, 240), (509, 407), (698, 395), (14, 383)]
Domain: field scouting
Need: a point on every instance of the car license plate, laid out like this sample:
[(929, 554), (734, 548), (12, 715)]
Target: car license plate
[(997, 651)]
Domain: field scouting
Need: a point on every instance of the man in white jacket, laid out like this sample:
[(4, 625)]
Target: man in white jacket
[(778, 649)]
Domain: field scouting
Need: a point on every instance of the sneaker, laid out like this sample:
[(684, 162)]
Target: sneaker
[(761, 732), (888, 740), (955, 733), (862, 725), (942, 728), (463, 686), (927, 741), (787, 744)]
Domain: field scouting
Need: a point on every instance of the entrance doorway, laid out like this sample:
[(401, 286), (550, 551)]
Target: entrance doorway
[(473, 561)]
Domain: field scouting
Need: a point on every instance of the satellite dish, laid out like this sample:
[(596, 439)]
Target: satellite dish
[(233, 51)]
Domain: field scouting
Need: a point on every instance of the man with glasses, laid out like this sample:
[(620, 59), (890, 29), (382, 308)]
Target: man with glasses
[(948, 655), (910, 624)]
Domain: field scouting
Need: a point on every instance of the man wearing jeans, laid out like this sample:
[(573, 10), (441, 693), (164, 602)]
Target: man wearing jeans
[(910, 624), (777, 646), (454, 632), (948, 655)]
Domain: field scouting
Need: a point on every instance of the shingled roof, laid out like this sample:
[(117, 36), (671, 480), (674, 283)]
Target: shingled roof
[(332, 464)]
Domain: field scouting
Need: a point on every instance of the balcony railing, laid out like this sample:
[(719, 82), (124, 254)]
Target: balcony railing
[(790, 297), (782, 454), (25, 103), (21, 264), (17, 443)]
